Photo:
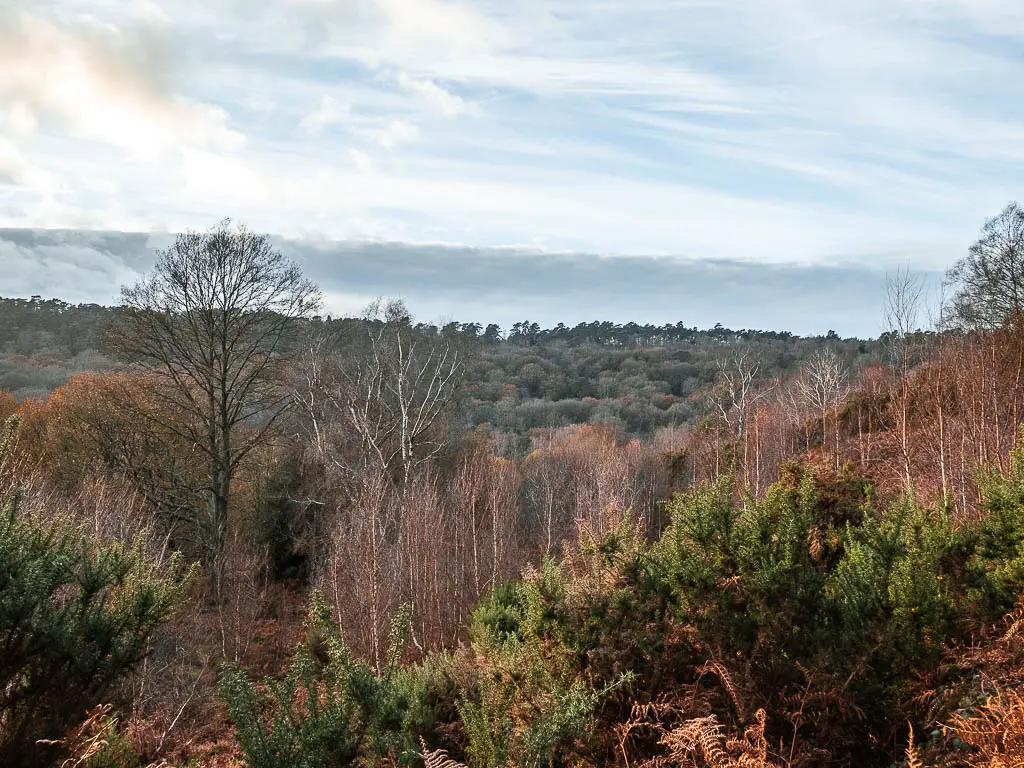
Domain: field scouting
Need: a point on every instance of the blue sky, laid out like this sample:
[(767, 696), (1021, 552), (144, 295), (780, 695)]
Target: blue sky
[(868, 132)]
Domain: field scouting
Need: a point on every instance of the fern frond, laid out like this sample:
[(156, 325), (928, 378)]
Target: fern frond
[(913, 759), (719, 670), (437, 758)]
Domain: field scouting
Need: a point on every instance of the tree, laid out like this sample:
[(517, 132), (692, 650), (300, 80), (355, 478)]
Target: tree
[(74, 616), (736, 392), (398, 390), (902, 307), (214, 323), (376, 404), (109, 424), (822, 385), (989, 280)]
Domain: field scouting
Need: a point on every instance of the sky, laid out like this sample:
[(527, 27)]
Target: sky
[(680, 159)]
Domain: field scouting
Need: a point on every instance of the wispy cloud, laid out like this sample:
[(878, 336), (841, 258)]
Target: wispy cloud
[(93, 81), (795, 130)]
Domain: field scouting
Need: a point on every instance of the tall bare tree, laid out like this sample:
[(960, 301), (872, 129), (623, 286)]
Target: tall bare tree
[(902, 315), (822, 385), (375, 401), (737, 392), (989, 281), (214, 323), (399, 388)]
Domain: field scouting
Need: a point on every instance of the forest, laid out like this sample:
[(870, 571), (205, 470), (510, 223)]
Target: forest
[(238, 531)]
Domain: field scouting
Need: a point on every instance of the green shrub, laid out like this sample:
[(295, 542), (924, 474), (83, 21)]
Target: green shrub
[(814, 602), (797, 586), (531, 699), (551, 650), (74, 617), (1000, 551), (328, 709)]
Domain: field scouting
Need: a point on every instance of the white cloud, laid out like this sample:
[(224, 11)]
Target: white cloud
[(393, 134), (438, 23), (412, 25), (97, 83), (361, 160), (80, 273), (222, 179), (12, 164), (807, 129), (329, 112), (437, 98)]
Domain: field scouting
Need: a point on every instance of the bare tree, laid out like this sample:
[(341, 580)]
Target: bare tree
[(399, 388), (989, 280), (902, 310), (214, 323), (737, 392), (375, 404), (822, 385)]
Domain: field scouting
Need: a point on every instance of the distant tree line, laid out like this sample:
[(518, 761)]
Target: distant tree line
[(639, 378)]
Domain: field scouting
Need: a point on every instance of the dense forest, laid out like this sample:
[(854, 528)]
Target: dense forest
[(239, 532), (639, 377)]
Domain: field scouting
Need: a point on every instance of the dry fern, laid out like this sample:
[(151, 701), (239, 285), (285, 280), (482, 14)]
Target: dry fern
[(913, 759), (88, 739), (437, 758), (702, 742), (700, 737), (995, 731), (718, 670)]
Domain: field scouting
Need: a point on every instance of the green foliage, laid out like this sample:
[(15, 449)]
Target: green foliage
[(531, 702), (890, 586), (815, 602), (74, 616), (554, 650), (799, 580), (328, 709), (1001, 531), (744, 573)]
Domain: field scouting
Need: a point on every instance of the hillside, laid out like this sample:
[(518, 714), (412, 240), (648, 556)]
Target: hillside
[(252, 535), (640, 378)]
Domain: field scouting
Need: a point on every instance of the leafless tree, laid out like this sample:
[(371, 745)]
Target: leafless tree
[(214, 323), (989, 281), (399, 388), (822, 386), (737, 392), (902, 311), (374, 399)]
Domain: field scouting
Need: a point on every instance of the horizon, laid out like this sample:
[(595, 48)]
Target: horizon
[(503, 286), (733, 139)]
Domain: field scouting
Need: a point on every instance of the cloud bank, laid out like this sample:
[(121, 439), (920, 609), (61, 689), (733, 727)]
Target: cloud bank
[(490, 285)]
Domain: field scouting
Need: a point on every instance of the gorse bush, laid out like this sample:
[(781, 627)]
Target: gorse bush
[(815, 604), (515, 705), (1000, 546), (74, 616), (531, 699), (869, 599), (328, 709)]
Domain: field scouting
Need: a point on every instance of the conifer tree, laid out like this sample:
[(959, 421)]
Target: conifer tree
[(74, 617)]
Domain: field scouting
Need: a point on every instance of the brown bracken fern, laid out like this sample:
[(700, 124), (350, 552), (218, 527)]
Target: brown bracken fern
[(702, 742), (995, 731), (437, 758), (913, 758)]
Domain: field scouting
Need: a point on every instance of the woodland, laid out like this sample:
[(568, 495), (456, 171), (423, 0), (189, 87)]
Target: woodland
[(237, 531)]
